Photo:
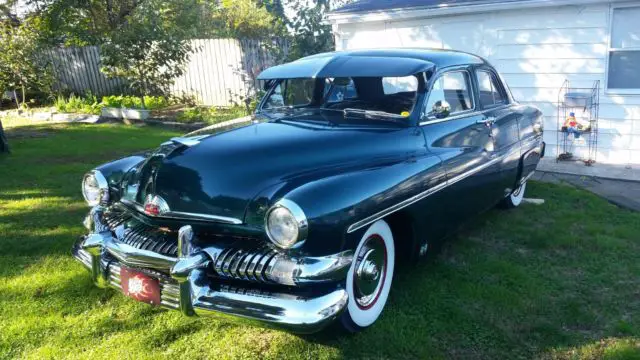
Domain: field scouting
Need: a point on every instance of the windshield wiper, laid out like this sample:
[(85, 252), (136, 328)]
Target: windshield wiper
[(377, 115)]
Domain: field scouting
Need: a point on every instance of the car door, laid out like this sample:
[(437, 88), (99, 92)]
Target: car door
[(462, 141), (501, 117)]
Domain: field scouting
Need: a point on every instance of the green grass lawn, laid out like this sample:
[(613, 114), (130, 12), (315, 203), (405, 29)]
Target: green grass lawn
[(561, 280)]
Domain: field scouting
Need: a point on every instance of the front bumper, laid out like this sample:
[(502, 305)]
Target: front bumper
[(194, 282)]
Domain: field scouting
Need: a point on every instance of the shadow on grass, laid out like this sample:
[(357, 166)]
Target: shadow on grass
[(536, 281)]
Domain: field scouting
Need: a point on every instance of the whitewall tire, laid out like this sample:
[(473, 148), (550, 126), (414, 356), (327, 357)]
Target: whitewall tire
[(515, 198), (369, 278)]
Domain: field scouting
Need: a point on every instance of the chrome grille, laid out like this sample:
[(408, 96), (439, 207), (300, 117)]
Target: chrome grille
[(114, 276), (84, 257), (142, 236), (238, 263), (169, 295)]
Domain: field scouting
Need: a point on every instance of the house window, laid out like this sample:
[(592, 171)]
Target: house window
[(624, 50)]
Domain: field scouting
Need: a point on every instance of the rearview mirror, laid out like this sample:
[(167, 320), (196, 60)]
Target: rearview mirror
[(342, 81), (441, 109)]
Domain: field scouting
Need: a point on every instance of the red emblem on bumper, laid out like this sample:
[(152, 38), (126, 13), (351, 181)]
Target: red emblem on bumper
[(140, 286)]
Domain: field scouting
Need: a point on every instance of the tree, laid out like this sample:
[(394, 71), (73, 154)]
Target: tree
[(150, 47), (4, 145), (310, 34), (81, 22), (22, 66), (242, 19)]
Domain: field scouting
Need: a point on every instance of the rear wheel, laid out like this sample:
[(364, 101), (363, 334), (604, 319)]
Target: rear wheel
[(515, 198), (369, 279)]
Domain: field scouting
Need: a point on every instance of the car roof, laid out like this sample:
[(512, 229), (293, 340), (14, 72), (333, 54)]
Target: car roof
[(393, 62)]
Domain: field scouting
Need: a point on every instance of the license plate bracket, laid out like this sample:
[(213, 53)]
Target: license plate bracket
[(140, 286)]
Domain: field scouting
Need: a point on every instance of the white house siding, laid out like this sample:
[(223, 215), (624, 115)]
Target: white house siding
[(535, 50)]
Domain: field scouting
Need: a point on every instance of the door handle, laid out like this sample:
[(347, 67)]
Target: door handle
[(487, 121)]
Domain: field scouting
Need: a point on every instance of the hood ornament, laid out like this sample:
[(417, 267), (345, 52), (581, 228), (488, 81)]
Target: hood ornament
[(155, 205)]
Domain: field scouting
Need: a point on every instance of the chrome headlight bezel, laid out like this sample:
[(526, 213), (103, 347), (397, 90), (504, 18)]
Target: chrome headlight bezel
[(102, 186), (298, 218)]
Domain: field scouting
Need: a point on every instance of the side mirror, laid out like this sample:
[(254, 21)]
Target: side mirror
[(441, 109)]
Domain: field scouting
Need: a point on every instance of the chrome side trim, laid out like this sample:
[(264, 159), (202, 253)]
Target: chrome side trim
[(184, 215), (403, 204), (466, 114)]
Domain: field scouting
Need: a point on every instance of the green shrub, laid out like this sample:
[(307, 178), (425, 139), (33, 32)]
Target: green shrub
[(76, 104), (135, 102), (210, 115), (156, 102), (114, 101), (89, 104)]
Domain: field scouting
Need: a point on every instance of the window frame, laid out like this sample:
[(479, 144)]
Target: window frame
[(273, 89), (426, 120), (617, 91), (496, 79)]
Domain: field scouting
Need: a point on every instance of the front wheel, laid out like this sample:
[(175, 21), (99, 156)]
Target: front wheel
[(515, 198), (369, 278)]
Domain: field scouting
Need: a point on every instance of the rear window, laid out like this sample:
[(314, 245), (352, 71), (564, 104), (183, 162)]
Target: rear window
[(490, 92), (394, 85)]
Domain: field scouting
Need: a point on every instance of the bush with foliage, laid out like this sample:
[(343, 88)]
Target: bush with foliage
[(150, 49), (89, 104), (77, 104), (23, 69), (210, 115), (134, 102)]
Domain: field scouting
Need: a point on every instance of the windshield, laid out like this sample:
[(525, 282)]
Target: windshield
[(382, 97)]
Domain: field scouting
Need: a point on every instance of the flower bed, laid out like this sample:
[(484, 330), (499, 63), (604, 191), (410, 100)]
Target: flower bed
[(114, 106)]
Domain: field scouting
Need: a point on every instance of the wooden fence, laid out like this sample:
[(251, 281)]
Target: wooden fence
[(218, 72)]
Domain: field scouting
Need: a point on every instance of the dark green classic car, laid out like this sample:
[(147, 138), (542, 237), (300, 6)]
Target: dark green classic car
[(353, 161)]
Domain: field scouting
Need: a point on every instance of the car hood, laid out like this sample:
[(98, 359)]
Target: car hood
[(223, 172)]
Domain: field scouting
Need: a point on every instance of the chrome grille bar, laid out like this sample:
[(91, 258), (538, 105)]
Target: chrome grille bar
[(237, 263)]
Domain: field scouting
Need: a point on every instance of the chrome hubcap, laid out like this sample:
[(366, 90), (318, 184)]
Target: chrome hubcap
[(516, 193), (370, 271)]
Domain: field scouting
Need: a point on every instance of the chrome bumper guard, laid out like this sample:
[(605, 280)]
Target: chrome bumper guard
[(188, 284)]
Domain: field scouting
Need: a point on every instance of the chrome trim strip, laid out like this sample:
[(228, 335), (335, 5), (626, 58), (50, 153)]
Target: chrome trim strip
[(403, 204), (469, 114), (184, 215)]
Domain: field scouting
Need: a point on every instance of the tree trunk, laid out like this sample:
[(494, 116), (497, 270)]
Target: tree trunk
[(24, 95), (15, 98), (4, 145)]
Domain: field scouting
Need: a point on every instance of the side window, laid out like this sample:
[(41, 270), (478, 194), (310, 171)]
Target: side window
[(291, 92), (490, 91), (394, 85), (340, 89), (452, 87)]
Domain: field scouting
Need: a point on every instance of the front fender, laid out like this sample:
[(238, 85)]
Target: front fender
[(335, 202), (115, 171)]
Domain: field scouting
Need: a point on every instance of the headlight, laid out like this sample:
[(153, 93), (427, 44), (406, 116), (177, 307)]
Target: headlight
[(95, 188), (286, 224)]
